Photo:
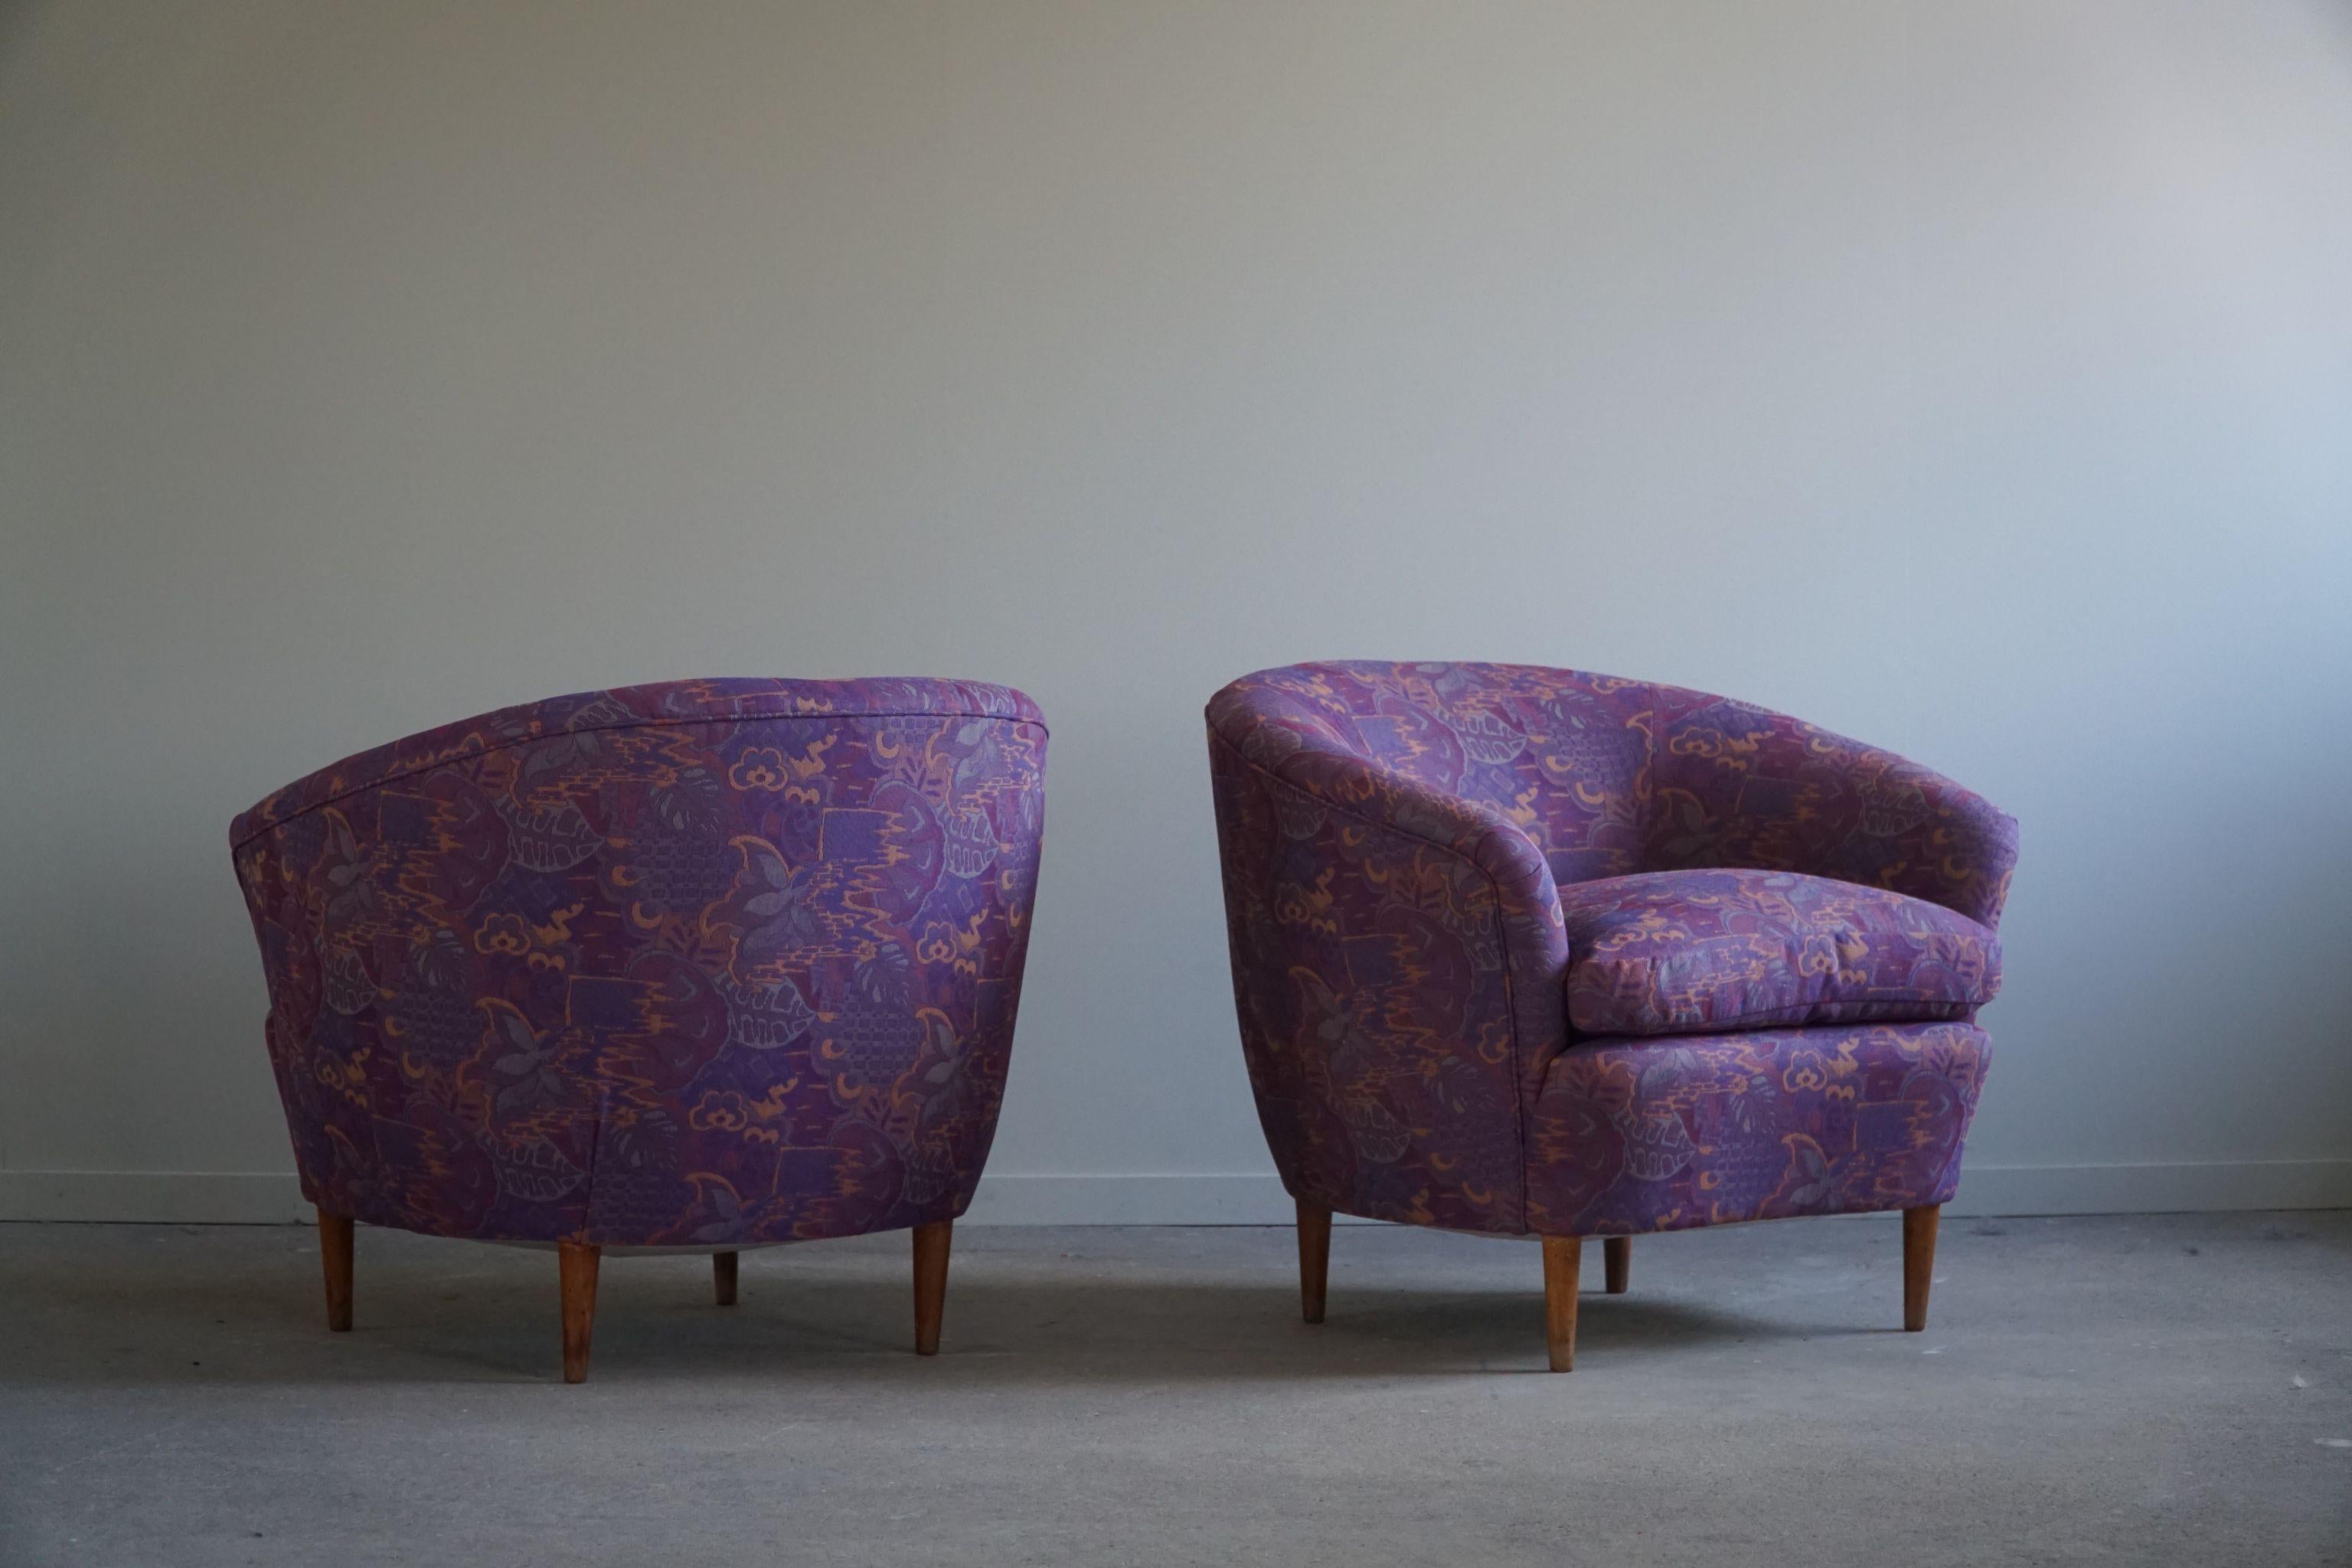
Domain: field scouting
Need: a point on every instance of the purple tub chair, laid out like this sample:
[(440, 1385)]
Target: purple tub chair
[(1527, 951), (702, 966)]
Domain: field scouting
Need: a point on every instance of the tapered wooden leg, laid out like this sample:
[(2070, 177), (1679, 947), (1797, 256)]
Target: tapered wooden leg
[(1918, 1263), (1617, 1256), (1563, 1259), (335, 1252), (578, 1265), (722, 1276), (1314, 1257), (931, 1284)]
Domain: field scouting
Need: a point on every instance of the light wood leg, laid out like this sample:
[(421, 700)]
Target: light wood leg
[(1563, 1257), (577, 1264), (1918, 1263), (1314, 1257), (722, 1276), (1617, 1256), (930, 1283), (335, 1252)]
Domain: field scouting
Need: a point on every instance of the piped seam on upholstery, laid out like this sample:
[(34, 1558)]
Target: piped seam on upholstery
[(588, 1218), (1778, 1017), (654, 724), (1650, 807)]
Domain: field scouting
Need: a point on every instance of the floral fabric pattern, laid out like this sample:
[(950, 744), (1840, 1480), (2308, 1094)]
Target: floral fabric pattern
[(1398, 841), (1672, 952), (702, 963), (1665, 1134), (1376, 975), (1737, 785)]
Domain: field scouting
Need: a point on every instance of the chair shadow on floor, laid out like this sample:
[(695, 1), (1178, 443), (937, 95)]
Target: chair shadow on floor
[(479, 1317)]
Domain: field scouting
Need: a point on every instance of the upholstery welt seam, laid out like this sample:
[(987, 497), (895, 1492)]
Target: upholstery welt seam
[(1657, 788), (588, 1219), (1743, 1022), (396, 776)]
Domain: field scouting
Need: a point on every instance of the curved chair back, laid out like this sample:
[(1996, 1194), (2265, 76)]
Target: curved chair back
[(702, 963), (1607, 776), (1559, 754)]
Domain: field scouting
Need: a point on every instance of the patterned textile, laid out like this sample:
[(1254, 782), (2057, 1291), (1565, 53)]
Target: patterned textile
[(1664, 1134), (1398, 995), (703, 963), (1676, 952), (1543, 765), (1394, 839), (1735, 786)]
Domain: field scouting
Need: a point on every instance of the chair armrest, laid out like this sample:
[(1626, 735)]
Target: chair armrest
[(1399, 967), (1737, 785)]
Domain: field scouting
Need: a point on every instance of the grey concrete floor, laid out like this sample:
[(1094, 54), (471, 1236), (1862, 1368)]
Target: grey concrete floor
[(2125, 1390)]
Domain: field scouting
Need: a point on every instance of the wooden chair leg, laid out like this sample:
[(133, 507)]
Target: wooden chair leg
[(1918, 1263), (1617, 1255), (722, 1276), (1314, 1257), (930, 1283), (1563, 1257), (577, 1264), (335, 1252)]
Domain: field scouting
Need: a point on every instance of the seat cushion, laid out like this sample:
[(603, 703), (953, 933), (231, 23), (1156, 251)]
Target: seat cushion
[(1678, 952)]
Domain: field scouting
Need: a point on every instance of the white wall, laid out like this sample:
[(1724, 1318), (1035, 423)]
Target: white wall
[(1974, 378)]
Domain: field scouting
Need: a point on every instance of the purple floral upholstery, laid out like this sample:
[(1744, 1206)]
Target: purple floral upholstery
[(1664, 1134), (1735, 786), (1678, 952), (1395, 840), (707, 962)]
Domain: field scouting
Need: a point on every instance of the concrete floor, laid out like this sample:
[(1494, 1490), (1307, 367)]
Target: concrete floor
[(2126, 1390)]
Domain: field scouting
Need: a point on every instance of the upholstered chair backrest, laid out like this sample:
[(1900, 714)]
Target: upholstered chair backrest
[(1563, 755), (1735, 784), (1608, 776), (697, 963)]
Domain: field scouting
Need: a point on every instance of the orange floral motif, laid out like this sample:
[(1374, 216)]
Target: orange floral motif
[(1804, 1070), (761, 767), (503, 933)]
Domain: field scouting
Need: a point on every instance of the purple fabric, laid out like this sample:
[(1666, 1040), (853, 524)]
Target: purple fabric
[(1735, 786), (702, 963), (1678, 952), (1394, 837), (1664, 1134), (1389, 964)]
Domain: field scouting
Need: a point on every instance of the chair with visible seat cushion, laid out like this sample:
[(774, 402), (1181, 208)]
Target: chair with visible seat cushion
[(703, 965), (1533, 952), (1681, 952)]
